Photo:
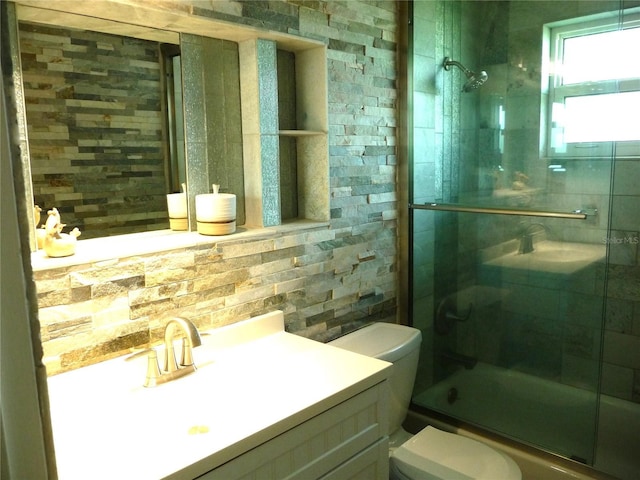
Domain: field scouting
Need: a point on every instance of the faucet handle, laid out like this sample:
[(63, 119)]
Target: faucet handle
[(186, 358), (170, 364), (447, 316), (153, 369)]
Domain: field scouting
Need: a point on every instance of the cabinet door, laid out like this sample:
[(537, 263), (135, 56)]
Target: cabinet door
[(370, 464), (317, 446)]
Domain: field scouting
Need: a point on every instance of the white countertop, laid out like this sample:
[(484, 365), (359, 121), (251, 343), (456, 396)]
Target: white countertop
[(254, 382)]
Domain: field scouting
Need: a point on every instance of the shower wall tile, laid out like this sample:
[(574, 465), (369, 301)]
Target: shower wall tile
[(581, 342), (425, 71), (427, 12), (624, 282), (617, 381), (623, 247), (579, 371), (424, 144), (589, 176), (439, 154), (582, 309), (535, 301), (624, 214), (625, 181), (424, 178), (622, 350), (636, 319), (619, 315), (424, 104)]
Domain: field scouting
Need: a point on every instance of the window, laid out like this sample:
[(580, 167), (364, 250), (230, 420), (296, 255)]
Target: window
[(594, 86)]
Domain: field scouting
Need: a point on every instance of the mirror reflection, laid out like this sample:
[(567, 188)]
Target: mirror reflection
[(106, 143)]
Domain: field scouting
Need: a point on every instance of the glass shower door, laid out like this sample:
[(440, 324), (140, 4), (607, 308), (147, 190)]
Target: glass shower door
[(509, 221), (513, 343)]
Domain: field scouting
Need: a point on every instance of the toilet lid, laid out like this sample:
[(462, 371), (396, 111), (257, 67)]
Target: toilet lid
[(434, 454)]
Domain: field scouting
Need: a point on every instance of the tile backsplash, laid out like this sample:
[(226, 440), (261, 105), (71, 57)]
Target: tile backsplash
[(322, 281)]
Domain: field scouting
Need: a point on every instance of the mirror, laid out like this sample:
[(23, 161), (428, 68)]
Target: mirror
[(105, 143), (217, 147)]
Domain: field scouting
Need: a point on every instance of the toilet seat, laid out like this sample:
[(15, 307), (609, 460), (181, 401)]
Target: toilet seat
[(433, 454)]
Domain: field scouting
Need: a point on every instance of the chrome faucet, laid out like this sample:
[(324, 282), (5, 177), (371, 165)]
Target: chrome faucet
[(172, 369), (526, 240)]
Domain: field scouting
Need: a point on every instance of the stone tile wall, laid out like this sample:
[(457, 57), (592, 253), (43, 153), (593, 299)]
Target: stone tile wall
[(327, 280)]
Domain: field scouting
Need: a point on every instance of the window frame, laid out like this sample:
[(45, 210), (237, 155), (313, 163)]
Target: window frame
[(556, 92)]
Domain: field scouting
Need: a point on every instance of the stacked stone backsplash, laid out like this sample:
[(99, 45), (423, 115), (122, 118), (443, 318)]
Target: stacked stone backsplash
[(324, 280), (327, 280)]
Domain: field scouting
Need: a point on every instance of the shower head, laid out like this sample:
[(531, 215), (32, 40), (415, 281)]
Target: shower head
[(474, 80)]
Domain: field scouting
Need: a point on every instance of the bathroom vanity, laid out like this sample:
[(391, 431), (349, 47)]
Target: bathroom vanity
[(263, 404)]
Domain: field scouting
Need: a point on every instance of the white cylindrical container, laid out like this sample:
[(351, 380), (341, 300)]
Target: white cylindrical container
[(177, 206), (216, 213)]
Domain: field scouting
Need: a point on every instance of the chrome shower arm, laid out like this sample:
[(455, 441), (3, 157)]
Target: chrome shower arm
[(474, 79), (447, 66)]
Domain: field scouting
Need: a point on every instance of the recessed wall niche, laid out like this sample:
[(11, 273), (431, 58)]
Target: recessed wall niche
[(284, 120), (303, 133)]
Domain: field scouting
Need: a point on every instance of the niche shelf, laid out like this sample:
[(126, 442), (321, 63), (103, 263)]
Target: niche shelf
[(303, 123), (300, 133)]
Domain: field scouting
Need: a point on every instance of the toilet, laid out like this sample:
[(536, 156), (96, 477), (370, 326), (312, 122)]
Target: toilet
[(431, 454)]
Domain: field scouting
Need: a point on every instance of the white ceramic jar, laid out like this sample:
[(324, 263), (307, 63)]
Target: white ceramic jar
[(216, 213), (177, 206)]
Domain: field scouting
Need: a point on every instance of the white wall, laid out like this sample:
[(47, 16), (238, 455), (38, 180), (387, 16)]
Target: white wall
[(22, 426)]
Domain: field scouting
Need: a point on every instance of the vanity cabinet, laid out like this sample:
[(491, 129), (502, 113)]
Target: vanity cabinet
[(347, 441), (263, 404)]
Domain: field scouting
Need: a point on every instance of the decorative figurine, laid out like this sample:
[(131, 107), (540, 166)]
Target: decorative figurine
[(56, 243)]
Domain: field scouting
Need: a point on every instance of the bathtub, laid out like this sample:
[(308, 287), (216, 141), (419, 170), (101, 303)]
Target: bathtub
[(618, 446), (558, 418)]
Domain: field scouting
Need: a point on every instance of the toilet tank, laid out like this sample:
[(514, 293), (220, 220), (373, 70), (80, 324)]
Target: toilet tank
[(397, 344)]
